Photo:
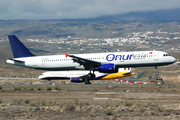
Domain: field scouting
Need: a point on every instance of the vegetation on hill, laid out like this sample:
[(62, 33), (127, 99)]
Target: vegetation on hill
[(104, 26)]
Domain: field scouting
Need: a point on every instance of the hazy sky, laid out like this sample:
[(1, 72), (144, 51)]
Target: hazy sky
[(58, 9)]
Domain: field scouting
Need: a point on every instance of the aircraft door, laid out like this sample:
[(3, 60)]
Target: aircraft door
[(156, 56), (35, 62)]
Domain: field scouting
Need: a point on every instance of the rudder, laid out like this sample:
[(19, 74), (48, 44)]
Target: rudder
[(18, 48)]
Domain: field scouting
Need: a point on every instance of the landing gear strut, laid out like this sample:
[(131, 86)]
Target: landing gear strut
[(90, 76), (49, 82), (87, 81), (158, 78), (157, 73)]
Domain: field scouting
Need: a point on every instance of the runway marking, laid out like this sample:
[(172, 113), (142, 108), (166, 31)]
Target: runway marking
[(105, 93), (101, 98)]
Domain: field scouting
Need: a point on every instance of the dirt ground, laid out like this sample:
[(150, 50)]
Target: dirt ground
[(90, 102), (21, 99)]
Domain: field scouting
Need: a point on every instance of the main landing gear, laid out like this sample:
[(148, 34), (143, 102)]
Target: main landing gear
[(90, 76), (87, 81)]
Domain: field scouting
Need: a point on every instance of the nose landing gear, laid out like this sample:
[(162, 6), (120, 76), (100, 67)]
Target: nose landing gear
[(158, 78), (157, 73)]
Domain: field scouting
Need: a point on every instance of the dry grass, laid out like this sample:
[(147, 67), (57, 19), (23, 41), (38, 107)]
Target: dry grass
[(78, 101)]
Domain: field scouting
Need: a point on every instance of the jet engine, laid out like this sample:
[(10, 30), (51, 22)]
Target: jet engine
[(76, 79), (107, 68)]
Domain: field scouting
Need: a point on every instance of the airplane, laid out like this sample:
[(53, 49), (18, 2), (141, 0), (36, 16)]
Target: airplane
[(80, 76), (103, 62)]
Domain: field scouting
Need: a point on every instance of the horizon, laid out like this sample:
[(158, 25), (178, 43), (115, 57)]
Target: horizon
[(96, 16), (79, 9)]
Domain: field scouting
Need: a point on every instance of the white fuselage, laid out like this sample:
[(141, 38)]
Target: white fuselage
[(67, 74), (122, 72), (119, 59)]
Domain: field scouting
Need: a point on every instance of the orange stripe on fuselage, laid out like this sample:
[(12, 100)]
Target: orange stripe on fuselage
[(116, 75)]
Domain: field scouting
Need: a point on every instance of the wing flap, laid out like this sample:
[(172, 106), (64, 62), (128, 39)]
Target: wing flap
[(83, 61)]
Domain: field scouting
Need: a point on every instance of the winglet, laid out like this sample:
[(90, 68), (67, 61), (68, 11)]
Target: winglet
[(66, 55)]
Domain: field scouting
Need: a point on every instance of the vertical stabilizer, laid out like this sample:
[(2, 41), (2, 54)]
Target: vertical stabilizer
[(18, 48)]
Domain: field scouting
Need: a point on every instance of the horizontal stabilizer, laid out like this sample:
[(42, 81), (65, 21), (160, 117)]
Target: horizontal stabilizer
[(129, 73), (126, 69), (16, 60)]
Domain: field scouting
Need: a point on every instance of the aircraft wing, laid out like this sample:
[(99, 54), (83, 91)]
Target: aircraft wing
[(85, 62)]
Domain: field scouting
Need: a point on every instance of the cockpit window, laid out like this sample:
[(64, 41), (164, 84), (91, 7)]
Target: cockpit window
[(166, 55)]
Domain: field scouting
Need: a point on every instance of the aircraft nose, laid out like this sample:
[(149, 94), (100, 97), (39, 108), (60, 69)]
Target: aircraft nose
[(173, 60)]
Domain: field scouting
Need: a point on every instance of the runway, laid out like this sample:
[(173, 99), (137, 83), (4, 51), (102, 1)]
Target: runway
[(35, 81)]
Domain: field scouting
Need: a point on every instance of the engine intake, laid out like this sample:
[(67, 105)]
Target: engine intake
[(107, 68)]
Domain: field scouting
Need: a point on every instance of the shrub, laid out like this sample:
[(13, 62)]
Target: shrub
[(27, 101), (48, 89), (166, 114), (117, 104), (38, 89), (69, 106), (159, 108), (38, 103), (152, 113), (91, 115), (158, 90), (56, 88), (1, 101), (31, 89), (34, 104), (108, 112), (25, 89), (3, 105), (108, 104), (43, 103), (141, 109), (128, 104), (30, 108), (76, 102), (148, 104), (17, 89), (16, 101)]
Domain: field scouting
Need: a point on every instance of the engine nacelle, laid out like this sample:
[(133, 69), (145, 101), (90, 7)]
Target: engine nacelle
[(76, 80), (107, 68)]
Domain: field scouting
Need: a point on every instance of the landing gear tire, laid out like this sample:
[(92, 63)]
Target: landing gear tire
[(161, 80), (87, 81), (157, 73)]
